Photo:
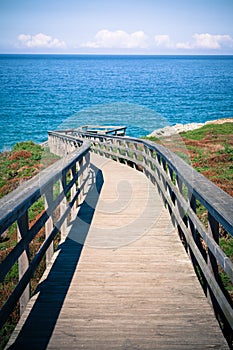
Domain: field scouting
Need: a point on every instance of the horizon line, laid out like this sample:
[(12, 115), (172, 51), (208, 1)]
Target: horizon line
[(111, 54)]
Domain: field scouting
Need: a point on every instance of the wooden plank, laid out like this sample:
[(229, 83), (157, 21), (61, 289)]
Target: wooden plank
[(119, 281)]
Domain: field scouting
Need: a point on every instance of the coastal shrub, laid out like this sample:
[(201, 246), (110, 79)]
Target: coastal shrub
[(24, 161)]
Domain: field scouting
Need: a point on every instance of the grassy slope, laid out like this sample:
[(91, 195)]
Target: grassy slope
[(24, 161), (209, 150)]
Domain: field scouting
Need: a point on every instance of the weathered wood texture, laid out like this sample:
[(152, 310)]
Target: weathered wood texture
[(181, 188), (15, 206), (121, 279)]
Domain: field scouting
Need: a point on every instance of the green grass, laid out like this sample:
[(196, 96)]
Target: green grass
[(213, 129), (24, 161), (227, 246), (151, 138)]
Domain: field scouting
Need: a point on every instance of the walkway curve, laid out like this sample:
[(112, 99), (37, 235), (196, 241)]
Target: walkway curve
[(121, 278)]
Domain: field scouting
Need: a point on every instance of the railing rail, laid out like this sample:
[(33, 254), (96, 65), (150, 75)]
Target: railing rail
[(61, 186), (182, 188)]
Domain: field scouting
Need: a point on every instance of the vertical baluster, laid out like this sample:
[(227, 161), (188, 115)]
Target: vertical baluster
[(134, 150), (213, 231), (24, 259), (192, 203), (157, 169), (164, 169), (144, 161), (179, 185), (80, 181), (73, 192), (49, 222), (86, 172), (196, 237), (63, 205), (160, 169), (171, 194)]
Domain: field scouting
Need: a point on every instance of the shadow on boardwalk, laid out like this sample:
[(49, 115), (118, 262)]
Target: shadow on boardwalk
[(39, 325)]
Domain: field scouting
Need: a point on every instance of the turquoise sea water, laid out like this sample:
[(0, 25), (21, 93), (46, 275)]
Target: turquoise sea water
[(45, 92)]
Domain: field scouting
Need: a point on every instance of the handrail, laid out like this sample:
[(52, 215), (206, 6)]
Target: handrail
[(180, 186), (218, 202), (70, 174)]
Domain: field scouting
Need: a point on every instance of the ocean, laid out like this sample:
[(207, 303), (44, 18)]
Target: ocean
[(47, 92)]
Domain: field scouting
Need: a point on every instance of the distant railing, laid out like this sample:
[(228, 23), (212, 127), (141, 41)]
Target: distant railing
[(61, 187), (183, 190), (103, 129)]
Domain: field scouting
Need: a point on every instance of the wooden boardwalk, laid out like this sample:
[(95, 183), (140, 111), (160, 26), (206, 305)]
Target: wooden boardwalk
[(121, 278)]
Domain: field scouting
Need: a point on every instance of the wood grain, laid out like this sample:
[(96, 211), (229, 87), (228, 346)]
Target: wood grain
[(119, 285)]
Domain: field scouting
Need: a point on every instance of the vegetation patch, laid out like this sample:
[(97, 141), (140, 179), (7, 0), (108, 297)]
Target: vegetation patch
[(24, 161), (208, 149), (213, 131)]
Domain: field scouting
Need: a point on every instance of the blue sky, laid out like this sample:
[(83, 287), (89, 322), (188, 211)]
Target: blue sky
[(117, 27)]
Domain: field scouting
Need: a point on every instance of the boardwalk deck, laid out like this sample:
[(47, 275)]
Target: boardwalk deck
[(121, 278)]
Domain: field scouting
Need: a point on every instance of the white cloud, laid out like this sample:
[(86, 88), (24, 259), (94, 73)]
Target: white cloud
[(24, 37), (185, 45), (208, 41), (200, 41), (118, 39), (40, 40), (163, 40)]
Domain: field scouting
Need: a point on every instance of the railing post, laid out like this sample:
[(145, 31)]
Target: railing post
[(73, 192), (163, 166), (63, 205), (80, 181), (159, 176), (171, 194), (49, 223), (192, 203), (213, 231), (24, 259), (179, 185)]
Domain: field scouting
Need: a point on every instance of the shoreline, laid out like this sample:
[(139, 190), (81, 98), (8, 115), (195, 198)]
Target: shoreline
[(178, 128)]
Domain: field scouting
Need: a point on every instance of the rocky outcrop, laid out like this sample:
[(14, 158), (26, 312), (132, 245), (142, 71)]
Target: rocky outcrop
[(178, 128)]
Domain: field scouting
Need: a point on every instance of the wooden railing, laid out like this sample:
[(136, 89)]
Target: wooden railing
[(185, 192), (61, 188)]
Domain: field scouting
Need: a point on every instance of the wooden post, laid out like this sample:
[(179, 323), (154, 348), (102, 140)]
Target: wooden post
[(179, 185), (157, 170), (80, 181), (192, 228), (63, 205), (163, 170), (24, 259), (171, 194), (73, 192), (213, 231), (192, 201), (49, 223)]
